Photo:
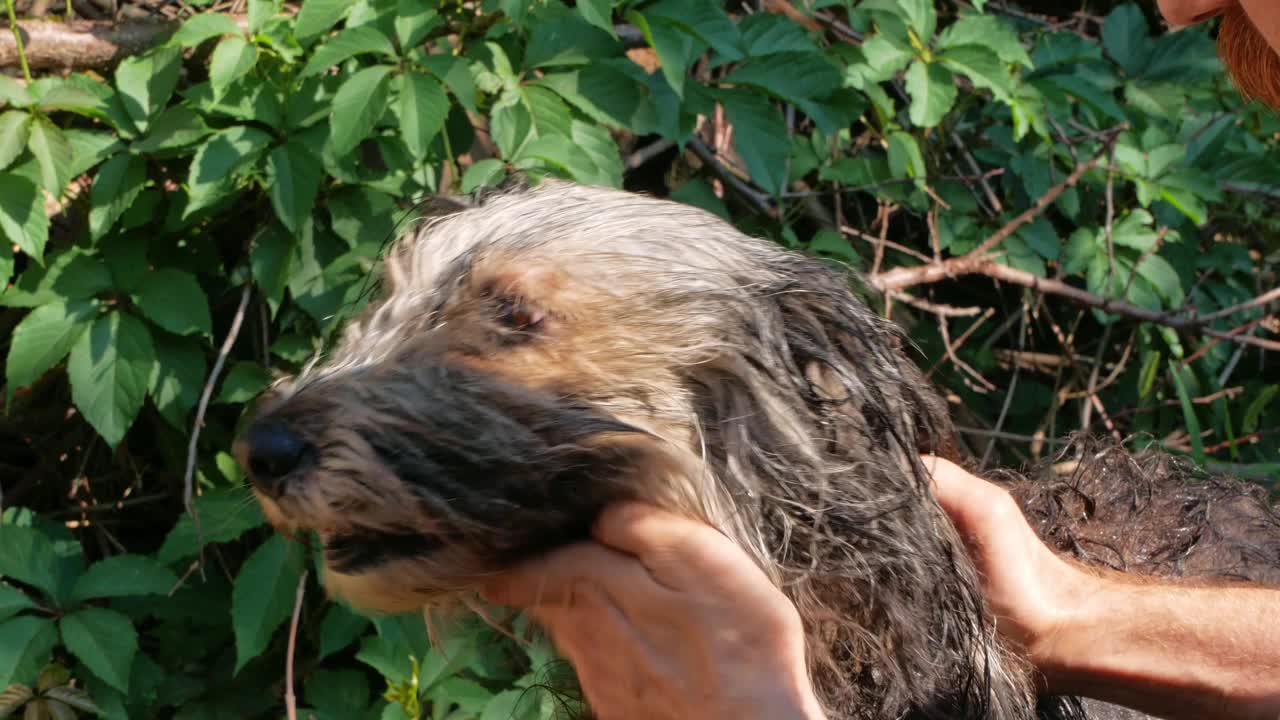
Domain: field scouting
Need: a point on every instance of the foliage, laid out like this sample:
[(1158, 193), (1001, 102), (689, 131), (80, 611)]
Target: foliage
[(281, 155)]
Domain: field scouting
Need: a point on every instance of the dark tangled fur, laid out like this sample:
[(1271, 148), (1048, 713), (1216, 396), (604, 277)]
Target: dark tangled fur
[(559, 348)]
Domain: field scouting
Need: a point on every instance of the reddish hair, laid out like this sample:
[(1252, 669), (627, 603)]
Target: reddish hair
[(1253, 64)]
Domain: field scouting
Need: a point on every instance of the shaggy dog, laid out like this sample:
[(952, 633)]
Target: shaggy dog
[(554, 349)]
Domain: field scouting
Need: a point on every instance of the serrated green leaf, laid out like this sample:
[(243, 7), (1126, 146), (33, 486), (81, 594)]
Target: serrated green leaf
[(174, 300), (482, 174), (794, 77), (43, 339), (25, 645), (905, 159), (175, 128), (1254, 411), (361, 40), (223, 156), (704, 19), (317, 16), (224, 516), (1157, 271), (104, 640), (983, 69), (757, 128), (22, 218), (232, 59), (769, 34), (12, 93), (675, 49), (884, 60), (518, 704), (109, 370), (53, 153), (455, 73), (598, 13), (933, 93), (90, 148), (13, 601), (13, 136), (344, 693), (559, 37), (175, 382), (124, 576), (606, 94), (423, 107), (414, 21), (1125, 38), (115, 187), (32, 558), (293, 176), (71, 275), (260, 11), (244, 382), (202, 26), (146, 82), (269, 258), (991, 32), (357, 106), (262, 597)]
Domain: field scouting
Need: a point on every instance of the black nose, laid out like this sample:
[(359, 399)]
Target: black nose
[(273, 451)]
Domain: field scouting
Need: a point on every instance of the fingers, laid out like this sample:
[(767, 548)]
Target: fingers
[(968, 499), (552, 578)]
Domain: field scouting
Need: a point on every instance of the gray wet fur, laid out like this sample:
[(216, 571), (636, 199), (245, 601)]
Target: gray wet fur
[(674, 360)]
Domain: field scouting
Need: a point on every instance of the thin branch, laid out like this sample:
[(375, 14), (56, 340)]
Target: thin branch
[(758, 200), (290, 700), (188, 484), (18, 50)]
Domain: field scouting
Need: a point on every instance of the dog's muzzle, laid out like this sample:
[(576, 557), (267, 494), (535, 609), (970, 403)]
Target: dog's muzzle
[(272, 451)]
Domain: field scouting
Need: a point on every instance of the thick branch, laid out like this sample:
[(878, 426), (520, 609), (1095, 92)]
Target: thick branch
[(81, 44)]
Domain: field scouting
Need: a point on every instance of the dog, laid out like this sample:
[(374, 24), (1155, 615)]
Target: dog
[(549, 349)]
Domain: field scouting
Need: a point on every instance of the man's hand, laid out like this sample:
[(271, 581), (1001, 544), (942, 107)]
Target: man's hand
[(665, 618)]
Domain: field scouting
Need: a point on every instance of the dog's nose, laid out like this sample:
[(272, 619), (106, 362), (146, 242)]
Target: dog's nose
[(273, 451)]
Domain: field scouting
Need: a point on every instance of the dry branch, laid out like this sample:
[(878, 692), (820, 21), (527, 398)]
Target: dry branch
[(85, 44)]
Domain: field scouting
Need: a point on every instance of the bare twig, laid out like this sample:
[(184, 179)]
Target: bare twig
[(188, 485), (291, 701), (648, 152), (757, 199)]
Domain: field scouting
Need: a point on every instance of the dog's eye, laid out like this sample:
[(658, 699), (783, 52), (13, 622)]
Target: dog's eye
[(519, 316)]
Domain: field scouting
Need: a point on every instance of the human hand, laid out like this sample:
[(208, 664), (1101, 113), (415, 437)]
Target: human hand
[(665, 618), (1032, 592)]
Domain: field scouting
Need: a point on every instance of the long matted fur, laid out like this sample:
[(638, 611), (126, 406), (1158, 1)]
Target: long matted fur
[(556, 348)]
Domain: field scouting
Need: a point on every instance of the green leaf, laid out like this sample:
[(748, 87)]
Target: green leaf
[(202, 26), (293, 177), (53, 153), (1157, 271), (455, 72), (13, 136), (105, 641), (175, 128), (146, 82), (1147, 376), (243, 383), (905, 159), (13, 93), (598, 13), (983, 69), (224, 155), (517, 704), (675, 49), (562, 38), (225, 515), (43, 339), (758, 127), (339, 628), (269, 258), (124, 576), (1180, 376), (423, 107), (90, 148), (345, 693), (71, 275), (1254, 411), (769, 34), (933, 93), (13, 601), (357, 106), (482, 174), (175, 382), (698, 193), (26, 643), (260, 11), (174, 300), (606, 93), (22, 218), (109, 369), (1125, 38), (115, 187), (414, 21), (704, 19), (317, 16), (990, 32), (32, 558), (347, 44), (262, 597), (794, 77), (232, 59)]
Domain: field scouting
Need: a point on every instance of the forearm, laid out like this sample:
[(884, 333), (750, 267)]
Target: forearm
[(1168, 650)]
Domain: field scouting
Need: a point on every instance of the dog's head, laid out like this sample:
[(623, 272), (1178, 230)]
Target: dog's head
[(554, 349)]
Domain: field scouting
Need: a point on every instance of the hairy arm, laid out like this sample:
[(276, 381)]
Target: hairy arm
[(1166, 648)]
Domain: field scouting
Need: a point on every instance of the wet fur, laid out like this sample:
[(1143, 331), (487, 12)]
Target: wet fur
[(677, 361)]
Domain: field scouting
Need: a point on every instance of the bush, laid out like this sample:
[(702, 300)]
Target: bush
[(223, 198)]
